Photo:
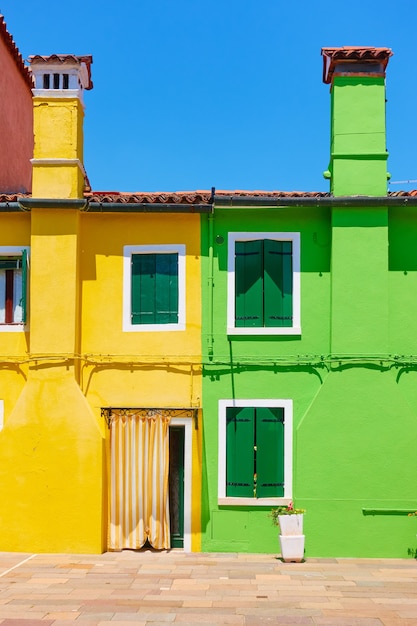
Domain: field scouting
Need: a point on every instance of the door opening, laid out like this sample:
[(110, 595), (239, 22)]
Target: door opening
[(176, 485)]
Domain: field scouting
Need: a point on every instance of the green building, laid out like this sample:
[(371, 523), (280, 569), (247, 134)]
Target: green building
[(310, 345)]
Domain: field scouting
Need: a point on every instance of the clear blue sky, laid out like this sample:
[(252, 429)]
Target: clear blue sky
[(190, 94)]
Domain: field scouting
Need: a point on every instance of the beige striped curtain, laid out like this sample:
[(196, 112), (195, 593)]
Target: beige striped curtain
[(139, 508)]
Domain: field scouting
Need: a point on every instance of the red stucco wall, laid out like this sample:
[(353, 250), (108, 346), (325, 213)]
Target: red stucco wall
[(16, 126)]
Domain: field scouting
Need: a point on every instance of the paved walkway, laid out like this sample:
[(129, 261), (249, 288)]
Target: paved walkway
[(125, 588)]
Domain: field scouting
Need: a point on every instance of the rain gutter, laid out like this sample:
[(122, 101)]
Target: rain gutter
[(303, 201), (27, 204), (10, 207), (219, 201)]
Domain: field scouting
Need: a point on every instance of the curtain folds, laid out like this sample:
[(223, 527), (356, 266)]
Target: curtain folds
[(139, 507)]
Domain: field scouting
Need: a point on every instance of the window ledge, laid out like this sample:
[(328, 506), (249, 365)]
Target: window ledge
[(12, 328), (253, 501), (294, 330), (153, 328)]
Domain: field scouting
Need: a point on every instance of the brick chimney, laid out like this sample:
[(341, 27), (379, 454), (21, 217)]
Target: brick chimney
[(358, 158), (58, 167)]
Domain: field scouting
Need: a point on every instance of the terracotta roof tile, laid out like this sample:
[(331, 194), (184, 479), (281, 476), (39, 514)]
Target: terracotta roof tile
[(195, 197), (205, 196), (65, 59), (349, 54), (14, 51), (403, 194), (273, 194), (177, 197), (13, 197)]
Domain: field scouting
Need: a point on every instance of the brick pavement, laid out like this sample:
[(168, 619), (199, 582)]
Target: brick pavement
[(149, 588)]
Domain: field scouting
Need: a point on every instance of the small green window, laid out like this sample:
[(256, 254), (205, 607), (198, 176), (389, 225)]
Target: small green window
[(254, 452), (154, 294), (263, 283)]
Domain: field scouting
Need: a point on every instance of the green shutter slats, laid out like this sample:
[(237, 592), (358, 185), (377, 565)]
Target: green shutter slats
[(143, 288), (269, 452), (278, 283), (249, 283), (154, 289), (166, 291), (240, 424), (263, 283)]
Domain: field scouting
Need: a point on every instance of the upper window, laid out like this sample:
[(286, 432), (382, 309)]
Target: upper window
[(13, 287), (264, 284), (255, 451), (154, 288)]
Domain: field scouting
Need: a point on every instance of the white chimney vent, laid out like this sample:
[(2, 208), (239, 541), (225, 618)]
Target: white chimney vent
[(61, 75)]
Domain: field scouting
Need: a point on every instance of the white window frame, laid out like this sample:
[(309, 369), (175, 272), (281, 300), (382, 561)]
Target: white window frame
[(15, 251), (287, 405), (128, 251), (233, 237)]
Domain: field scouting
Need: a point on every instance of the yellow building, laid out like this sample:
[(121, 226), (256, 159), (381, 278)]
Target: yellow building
[(100, 348)]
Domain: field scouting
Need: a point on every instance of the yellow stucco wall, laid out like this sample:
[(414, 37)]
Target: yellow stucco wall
[(54, 284), (52, 457), (51, 468), (58, 136), (74, 359), (140, 369)]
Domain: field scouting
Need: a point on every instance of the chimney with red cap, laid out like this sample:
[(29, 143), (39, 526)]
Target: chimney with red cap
[(358, 159)]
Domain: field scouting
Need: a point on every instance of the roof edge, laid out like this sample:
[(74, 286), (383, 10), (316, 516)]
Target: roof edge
[(15, 53)]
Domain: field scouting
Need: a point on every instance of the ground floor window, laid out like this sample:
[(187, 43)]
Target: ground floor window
[(255, 451)]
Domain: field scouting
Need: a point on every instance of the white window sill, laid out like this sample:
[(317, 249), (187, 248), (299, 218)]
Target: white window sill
[(293, 330), (12, 328), (253, 501), (152, 328)]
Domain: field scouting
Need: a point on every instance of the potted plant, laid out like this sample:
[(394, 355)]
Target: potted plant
[(291, 538)]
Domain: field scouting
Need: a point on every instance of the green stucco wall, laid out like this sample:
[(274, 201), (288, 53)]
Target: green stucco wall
[(351, 376), (358, 160)]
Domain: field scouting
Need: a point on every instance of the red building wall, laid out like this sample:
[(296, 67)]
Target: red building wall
[(16, 118)]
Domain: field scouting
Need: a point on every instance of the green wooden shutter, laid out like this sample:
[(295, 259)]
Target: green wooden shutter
[(249, 283), (24, 285), (154, 288), (143, 288), (166, 291), (240, 424), (278, 283), (269, 452)]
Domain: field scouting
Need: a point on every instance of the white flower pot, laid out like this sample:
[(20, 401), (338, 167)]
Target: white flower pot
[(291, 524), (292, 547)]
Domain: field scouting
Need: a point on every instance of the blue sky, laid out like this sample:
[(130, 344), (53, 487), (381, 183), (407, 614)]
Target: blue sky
[(190, 94)]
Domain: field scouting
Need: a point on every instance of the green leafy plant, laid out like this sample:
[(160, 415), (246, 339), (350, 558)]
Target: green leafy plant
[(284, 510)]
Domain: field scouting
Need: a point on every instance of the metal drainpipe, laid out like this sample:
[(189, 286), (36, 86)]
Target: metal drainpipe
[(210, 338)]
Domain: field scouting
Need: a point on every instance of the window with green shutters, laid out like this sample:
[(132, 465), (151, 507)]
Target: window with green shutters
[(154, 287), (264, 283), (13, 286), (255, 451)]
